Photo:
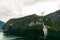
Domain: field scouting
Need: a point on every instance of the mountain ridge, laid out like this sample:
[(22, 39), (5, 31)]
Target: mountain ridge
[(1, 25)]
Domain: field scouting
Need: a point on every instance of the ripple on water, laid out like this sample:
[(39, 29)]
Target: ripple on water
[(2, 37)]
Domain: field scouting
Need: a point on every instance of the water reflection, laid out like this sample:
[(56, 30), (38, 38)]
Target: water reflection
[(2, 37)]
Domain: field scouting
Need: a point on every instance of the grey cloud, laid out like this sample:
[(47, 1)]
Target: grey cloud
[(5, 12), (31, 2), (5, 7)]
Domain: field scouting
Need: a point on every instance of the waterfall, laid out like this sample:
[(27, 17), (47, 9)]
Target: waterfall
[(45, 31)]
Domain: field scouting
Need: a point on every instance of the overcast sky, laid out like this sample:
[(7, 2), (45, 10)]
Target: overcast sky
[(19, 8)]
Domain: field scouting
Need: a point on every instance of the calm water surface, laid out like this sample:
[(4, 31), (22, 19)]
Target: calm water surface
[(2, 37)]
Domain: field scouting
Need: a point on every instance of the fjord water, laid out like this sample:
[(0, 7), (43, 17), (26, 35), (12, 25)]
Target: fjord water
[(2, 37)]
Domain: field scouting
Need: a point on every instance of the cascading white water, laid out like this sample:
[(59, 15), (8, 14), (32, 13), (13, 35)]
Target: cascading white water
[(45, 31)]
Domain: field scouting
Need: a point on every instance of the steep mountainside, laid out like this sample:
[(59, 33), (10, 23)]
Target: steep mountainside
[(27, 24), (53, 20)]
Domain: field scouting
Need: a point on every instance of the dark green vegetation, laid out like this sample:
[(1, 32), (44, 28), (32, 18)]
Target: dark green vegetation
[(31, 26), (28, 26), (1, 25)]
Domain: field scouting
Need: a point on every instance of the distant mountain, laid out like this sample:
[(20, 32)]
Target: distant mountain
[(1, 25)]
